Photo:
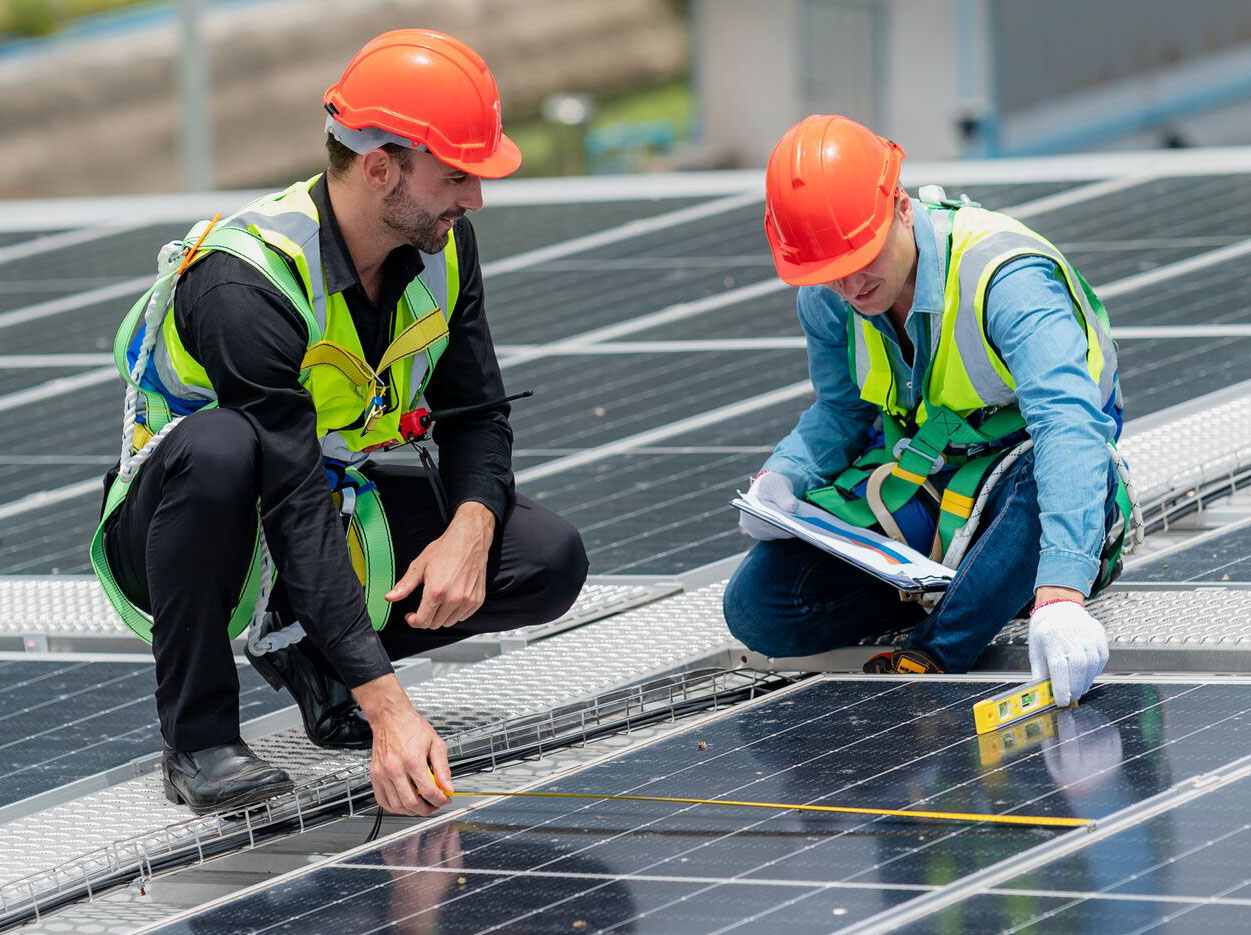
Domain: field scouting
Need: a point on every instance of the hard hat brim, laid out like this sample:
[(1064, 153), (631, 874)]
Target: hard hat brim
[(820, 272), (504, 161)]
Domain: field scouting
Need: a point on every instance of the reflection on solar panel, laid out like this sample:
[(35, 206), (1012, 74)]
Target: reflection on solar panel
[(556, 865)]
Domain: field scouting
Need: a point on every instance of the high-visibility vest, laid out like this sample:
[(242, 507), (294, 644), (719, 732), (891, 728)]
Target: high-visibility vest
[(357, 407), (967, 408), (966, 373)]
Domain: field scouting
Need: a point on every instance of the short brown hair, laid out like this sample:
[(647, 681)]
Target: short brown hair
[(341, 158)]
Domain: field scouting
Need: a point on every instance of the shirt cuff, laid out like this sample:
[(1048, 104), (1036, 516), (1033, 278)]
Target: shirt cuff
[(359, 657), (486, 489), (1060, 569), (797, 476)]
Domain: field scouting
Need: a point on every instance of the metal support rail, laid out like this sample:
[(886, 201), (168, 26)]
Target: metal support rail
[(347, 790)]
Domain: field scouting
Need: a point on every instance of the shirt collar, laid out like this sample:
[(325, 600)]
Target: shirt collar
[(336, 261), (927, 296)]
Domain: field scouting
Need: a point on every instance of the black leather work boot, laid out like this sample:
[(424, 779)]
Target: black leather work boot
[(222, 778), (331, 716)]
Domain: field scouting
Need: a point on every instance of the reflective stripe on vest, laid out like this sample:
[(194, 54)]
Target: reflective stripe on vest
[(287, 223), (967, 374)]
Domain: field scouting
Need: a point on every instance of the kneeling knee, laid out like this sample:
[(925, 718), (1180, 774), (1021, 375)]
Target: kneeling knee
[(561, 569), (741, 604), (217, 451), (767, 617)]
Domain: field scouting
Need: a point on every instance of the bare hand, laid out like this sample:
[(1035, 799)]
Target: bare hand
[(409, 768), (451, 571)]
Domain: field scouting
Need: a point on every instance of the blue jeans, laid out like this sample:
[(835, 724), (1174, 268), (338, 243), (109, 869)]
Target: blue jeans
[(788, 598)]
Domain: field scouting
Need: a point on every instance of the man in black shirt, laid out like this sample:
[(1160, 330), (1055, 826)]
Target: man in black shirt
[(180, 545)]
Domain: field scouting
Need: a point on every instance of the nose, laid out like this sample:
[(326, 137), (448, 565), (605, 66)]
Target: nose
[(471, 194)]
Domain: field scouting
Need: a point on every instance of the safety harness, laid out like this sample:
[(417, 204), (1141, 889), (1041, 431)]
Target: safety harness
[(980, 445), (149, 415)]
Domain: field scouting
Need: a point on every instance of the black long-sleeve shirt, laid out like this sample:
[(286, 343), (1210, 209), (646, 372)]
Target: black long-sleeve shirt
[(250, 340)]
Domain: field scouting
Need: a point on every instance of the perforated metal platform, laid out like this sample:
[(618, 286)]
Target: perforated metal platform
[(40, 613), (1181, 456)]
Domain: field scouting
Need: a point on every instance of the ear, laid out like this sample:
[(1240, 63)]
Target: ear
[(378, 170), (904, 209)]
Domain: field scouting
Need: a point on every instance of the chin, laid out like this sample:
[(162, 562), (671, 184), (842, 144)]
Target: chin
[(432, 243)]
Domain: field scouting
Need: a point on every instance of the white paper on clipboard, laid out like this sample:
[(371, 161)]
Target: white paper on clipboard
[(896, 564)]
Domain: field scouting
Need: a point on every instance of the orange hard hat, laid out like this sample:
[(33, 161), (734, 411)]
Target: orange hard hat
[(424, 90), (829, 198)]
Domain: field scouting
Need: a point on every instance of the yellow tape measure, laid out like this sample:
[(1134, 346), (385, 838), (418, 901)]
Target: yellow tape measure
[(1012, 705), (1046, 821)]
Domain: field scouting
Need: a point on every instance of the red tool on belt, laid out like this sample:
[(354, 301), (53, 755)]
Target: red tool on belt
[(415, 426)]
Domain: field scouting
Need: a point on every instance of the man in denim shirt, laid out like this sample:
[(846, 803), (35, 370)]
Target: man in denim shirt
[(863, 250)]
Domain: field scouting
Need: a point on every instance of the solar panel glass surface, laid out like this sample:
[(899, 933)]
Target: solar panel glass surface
[(546, 864)]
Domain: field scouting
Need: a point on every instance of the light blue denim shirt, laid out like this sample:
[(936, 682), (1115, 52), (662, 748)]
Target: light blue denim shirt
[(1031, 321)]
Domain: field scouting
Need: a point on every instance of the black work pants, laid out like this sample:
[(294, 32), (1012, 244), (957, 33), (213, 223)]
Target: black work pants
[(181, 545)]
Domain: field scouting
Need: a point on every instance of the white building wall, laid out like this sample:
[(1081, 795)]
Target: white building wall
[(946, 78), (762, 65), (745, 75)]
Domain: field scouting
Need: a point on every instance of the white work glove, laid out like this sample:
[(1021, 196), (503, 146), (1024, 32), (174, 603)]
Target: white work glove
[(1068, 646), (771, 488)]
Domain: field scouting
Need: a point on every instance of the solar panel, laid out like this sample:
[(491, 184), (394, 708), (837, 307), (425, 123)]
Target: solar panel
[(1215, 560), (505, 230), (58, 273), (64, 719), (561, 865)]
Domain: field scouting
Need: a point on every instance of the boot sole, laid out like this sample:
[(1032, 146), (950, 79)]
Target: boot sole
[(243, 800)]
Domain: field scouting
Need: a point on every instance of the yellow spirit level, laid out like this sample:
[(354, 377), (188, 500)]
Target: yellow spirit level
[(1001, 710)]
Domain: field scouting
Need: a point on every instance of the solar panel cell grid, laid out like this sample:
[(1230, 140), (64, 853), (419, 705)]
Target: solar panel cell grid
[(8, 238), (645, 866), (583, 401), (505, 230), (1164, 372), (1215, 561), (64, 720), (51, 541), (1067, 915), (58, 273)]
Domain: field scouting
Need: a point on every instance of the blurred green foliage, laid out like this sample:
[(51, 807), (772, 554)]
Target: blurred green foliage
[(41, 17), (545, 146)]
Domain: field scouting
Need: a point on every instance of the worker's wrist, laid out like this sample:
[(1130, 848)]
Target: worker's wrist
[(477, 519), (381, 698), (1048, 594)]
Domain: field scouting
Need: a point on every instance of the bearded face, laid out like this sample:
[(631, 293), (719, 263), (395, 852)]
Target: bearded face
[(411, 222)]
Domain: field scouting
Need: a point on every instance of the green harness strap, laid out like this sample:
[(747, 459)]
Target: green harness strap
[(918, 457), (132, 616), (239, 244), (369, 533)]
